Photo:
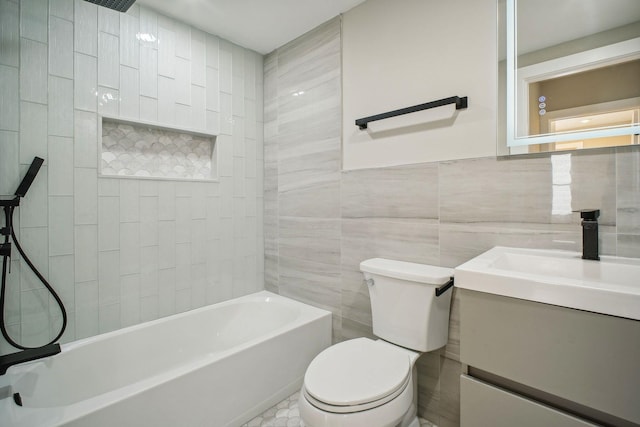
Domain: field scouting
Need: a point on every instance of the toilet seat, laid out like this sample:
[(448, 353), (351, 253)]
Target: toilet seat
[(357, 375)]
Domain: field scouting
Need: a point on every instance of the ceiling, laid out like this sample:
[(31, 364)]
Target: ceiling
[(260, 25)]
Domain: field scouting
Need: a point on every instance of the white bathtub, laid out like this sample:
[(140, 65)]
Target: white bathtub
[(216, 366)]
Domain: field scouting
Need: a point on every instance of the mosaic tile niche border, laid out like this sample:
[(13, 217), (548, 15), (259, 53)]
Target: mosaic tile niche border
[(147, 150)]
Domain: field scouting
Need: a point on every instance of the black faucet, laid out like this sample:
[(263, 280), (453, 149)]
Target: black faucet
[(590, 233), (27, 355)]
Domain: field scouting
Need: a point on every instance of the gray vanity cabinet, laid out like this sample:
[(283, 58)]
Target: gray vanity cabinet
[(534, 364), (487, 405)]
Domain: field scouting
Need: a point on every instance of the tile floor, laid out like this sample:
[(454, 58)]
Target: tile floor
[(285, 414)]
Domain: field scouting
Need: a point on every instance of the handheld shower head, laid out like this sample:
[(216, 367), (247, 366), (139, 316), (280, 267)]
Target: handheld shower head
[(29, 177), (119, 5)]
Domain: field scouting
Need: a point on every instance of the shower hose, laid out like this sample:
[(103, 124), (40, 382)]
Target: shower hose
[(3, 287)]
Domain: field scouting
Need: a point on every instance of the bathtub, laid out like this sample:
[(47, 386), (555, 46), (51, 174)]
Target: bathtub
[(216, 366)]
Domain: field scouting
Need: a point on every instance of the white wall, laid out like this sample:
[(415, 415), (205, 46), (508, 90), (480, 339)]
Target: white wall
[(123, 251), (399, 54)]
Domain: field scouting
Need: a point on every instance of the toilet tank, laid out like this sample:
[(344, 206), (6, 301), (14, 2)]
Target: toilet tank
[(404, 306)]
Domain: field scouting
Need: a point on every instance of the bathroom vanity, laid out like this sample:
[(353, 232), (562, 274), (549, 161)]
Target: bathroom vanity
[(549, 339)]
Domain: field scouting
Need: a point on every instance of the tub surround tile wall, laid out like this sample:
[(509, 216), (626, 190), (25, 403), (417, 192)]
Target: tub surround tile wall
[(302, 169), (440, 213), (124, 251), (271, 172)]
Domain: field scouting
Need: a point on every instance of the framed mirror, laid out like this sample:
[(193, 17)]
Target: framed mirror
[(570, 74)]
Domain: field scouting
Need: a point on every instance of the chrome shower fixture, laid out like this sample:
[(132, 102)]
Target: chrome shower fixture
[(119, 5)]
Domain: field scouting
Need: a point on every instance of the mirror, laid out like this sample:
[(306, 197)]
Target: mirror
[(569, 75)]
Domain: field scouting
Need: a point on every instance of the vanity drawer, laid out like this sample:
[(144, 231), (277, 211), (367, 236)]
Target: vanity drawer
[(483, 405), (587, 358)]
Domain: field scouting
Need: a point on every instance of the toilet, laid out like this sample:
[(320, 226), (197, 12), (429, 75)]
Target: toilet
[(373, 383)]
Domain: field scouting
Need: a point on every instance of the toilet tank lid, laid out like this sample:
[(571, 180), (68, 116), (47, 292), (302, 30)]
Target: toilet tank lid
[(402, 270)]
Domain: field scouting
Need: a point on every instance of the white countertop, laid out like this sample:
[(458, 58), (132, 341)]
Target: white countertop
[(609, 286)]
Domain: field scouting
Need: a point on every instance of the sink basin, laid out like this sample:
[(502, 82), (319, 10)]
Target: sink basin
[(609, 286)]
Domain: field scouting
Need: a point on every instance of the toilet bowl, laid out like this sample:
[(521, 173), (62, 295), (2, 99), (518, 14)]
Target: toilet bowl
[(360, 382), (373, 383)]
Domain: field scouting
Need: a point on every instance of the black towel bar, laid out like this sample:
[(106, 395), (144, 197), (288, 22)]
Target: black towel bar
[(461, 102)]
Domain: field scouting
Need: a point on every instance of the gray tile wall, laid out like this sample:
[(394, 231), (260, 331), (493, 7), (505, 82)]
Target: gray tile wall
[(320, 222), (123, 251), (302, 169)]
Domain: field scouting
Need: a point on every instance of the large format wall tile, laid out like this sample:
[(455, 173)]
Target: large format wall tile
[(452, 349), (309, 163), (311, 114), (302, 161), (312, 239), (311, 59), (429, 386), (628, 186), (311, 166), (593, 184), (461, 242), (312, 282), (307, 278), (308, 123), (389, 213), (394, 192), (355, 305), (628, 245), (308, 261), (320, 200), (405, 239), (628, 201), (449, 408), (543, 189), (270, 171), (490, 190)]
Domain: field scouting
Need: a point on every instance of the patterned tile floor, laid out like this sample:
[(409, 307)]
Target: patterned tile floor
[(285, 414)]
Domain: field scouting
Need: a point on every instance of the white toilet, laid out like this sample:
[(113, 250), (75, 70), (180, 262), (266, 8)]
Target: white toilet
[(367, 383)]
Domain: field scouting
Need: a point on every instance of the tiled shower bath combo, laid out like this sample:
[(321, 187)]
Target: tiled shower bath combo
[(214, 352), (125, 251), (262, 202)]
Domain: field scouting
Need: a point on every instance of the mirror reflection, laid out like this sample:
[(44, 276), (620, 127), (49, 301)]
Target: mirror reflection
[(572, 74)]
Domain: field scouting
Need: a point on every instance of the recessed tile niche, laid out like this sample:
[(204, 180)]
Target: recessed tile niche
[(147, 150)]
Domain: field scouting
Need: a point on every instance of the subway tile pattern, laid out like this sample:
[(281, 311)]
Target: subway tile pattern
[(122, 251), (9, 33)]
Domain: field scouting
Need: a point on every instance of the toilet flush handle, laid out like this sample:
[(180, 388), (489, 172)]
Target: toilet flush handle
[(369, 282), (444, 288)]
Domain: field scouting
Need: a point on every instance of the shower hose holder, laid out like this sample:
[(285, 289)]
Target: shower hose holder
[(7, 232)]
